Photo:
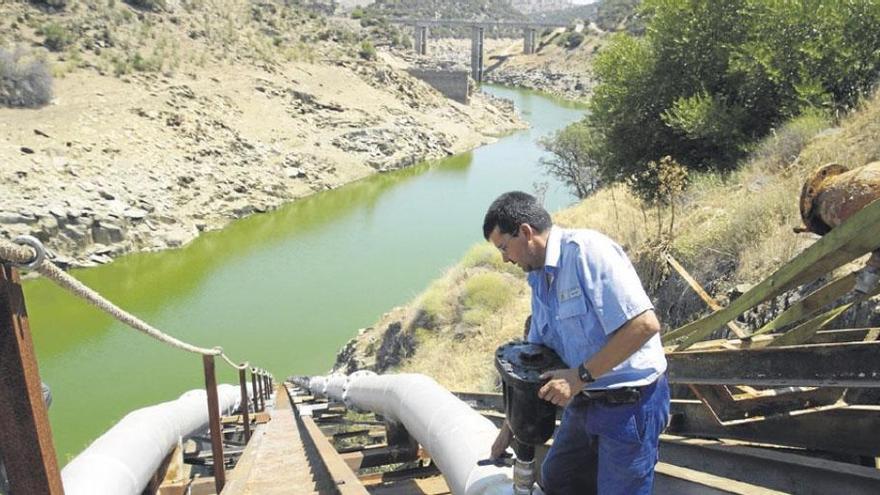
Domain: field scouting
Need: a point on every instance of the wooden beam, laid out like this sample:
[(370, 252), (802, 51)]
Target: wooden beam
[(811, 304), (25, 436), (852, 239), (709, 300), (805, 331), (817, 365)]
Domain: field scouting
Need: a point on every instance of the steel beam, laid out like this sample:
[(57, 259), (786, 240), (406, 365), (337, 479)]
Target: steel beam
[(774, 469), (25, 437), (853, 430), (816, 365)]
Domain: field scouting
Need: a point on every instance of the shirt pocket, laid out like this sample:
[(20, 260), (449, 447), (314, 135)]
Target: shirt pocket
[(572, 327)]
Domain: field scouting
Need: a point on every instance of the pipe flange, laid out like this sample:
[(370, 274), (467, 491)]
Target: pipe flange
[(357, 374), (39, 252), (812, 188)]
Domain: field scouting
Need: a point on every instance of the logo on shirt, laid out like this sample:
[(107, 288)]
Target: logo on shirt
[(566, 294)]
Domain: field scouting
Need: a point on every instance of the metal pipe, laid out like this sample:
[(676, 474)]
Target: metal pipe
[(124, 459), (455, 435), (834, 193)]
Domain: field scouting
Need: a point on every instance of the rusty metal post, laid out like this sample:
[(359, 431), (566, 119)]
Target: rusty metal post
[(256, 398), (245, 401), (262, 404), (25, 437), (214, 422), (266, 389)]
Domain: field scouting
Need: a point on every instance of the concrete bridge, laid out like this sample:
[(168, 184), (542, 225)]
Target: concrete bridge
[(420, 35)]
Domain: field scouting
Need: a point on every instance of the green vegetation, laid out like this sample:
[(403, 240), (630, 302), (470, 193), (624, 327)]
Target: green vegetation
[(709, 80), (155, 5), (619, 15), (25, 80), (570, 40), (367, 50), (57, 37)]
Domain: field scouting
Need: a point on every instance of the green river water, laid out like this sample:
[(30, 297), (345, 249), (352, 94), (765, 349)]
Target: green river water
[(284, 290)]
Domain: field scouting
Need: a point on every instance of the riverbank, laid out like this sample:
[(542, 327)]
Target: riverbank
[(146, 160)]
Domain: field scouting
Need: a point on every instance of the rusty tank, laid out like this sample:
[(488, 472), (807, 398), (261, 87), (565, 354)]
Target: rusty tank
[(832, 194)]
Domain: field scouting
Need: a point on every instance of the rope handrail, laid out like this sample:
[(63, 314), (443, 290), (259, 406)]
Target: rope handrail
[(27, 252)]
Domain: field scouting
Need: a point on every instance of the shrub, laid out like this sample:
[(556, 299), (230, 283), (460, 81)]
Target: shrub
[(570, 41), (24, 80), (489, 291), (154, 5), (57, 37), (367, 50), (52, 3)]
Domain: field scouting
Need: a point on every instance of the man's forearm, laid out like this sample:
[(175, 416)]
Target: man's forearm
[(626, 340)]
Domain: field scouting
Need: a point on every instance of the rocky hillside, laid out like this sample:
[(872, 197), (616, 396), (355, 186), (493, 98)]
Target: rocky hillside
[(168, 118), (730, 231)]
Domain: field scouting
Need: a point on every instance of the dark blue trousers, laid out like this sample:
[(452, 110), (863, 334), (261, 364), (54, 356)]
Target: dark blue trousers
[(608, 449)]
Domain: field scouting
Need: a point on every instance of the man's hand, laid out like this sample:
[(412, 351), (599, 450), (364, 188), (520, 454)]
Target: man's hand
[(502, 441), (563, 385)]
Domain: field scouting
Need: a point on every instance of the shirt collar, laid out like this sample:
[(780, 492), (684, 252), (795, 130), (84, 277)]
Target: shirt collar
[(554, 244)]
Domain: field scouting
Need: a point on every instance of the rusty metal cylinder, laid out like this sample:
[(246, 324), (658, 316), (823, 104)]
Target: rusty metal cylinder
[(834, 193)]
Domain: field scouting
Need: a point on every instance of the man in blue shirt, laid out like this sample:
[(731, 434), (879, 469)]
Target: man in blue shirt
[(588, 305)]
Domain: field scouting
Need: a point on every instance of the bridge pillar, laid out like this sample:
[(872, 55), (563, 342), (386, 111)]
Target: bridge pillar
[(420, 37), (477, 53), (529, 37)]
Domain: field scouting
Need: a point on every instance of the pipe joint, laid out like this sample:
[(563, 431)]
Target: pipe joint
[(523, 477)]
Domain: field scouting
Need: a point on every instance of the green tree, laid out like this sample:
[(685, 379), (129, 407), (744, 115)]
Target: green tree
[(709, 79), (576, 158)]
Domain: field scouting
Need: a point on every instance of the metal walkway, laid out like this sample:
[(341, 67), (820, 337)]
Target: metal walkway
[(278, 460)]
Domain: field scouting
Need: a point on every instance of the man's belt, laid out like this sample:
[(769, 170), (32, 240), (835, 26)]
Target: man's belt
[(612, 396)]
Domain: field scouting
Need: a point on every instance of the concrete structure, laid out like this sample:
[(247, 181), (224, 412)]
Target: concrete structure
[(420, 39), (529, 40), (532, 6), (453, 84), (477, 53), (420, 35)]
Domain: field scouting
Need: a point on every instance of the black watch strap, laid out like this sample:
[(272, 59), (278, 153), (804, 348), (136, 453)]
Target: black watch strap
[(584, 374)]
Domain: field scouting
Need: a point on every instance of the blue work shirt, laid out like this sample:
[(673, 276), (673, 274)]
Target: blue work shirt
[(586, 290)]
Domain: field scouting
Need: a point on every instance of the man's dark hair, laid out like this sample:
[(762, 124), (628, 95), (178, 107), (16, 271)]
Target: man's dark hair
[(512, 209)]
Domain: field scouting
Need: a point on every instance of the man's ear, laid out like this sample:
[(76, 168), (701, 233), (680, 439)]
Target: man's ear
[(526, 231)]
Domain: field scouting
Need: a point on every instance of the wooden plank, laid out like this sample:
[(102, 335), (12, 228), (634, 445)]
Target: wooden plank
[(712, 482), (25, 436), (709, 300), (816, 365), (852, 239), (804, 332), (810, 304), (172, 470), (343, 477)]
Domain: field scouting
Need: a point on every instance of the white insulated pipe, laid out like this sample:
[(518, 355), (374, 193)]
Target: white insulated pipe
[(455, 435), (124, 459)]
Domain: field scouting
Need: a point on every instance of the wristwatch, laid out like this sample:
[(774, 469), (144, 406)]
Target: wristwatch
[(584, 374)]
